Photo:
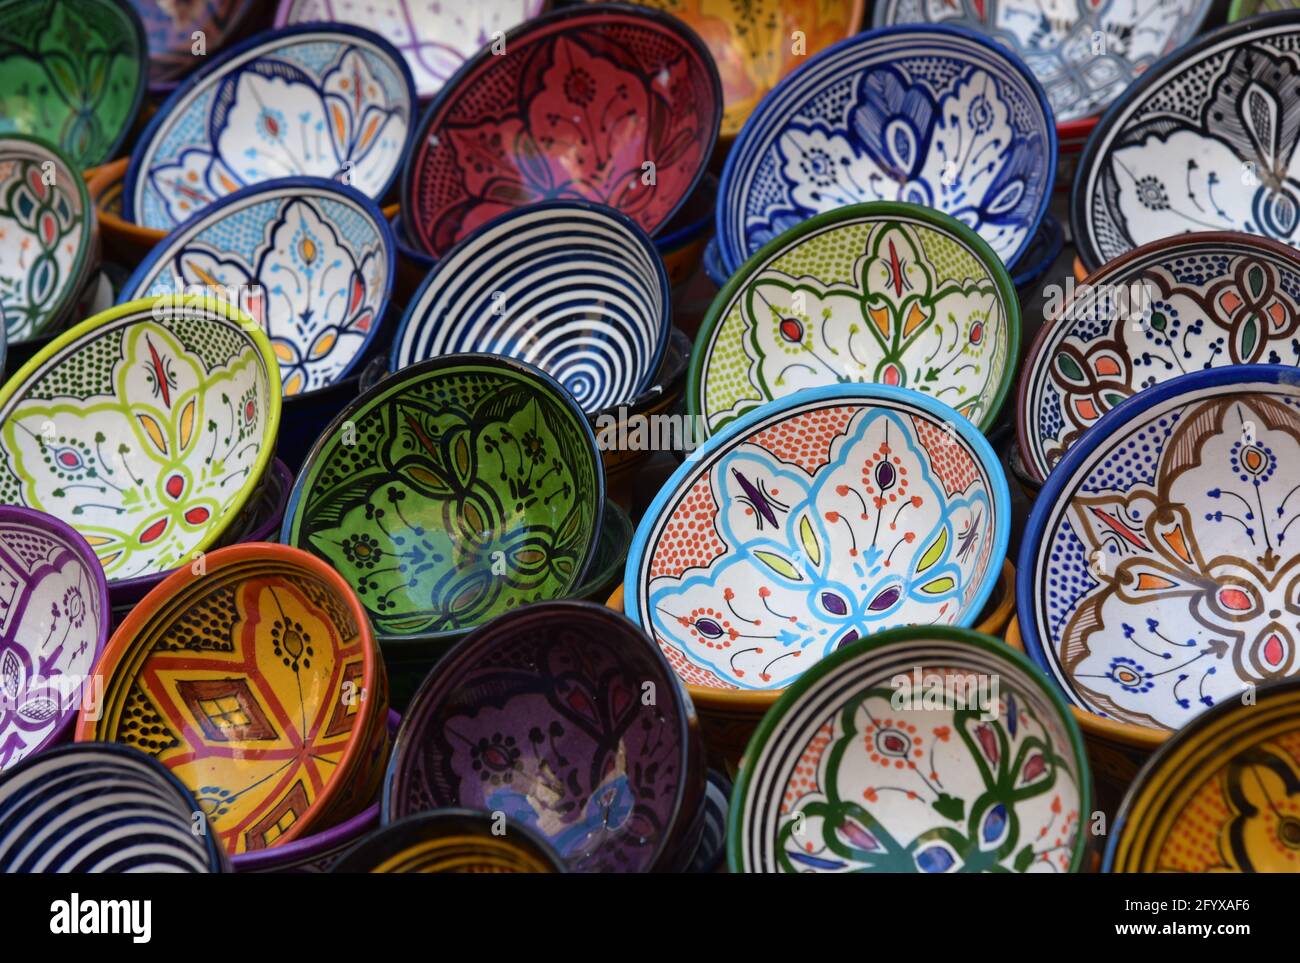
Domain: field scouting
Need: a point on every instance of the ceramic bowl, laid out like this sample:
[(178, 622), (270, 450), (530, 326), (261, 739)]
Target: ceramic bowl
[(1084, 54), (309, 260), (452, 841), (318, 100), (712, 851), (1155, 576), (435, 38), (1168, 308), (1039, 257), (609, 103), (72, 72), (872, 119), (54, 625), (1183, 149), (148, 427), (51, 242), (170, 28), (564, 718), (574, 288), (257, 682), (1221, 796), (100, 808), (927, 749), (451, 492), (885, 293)]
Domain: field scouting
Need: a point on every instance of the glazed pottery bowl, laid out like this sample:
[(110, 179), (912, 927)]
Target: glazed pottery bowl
[(1168, 308), (574, 288), (319, 100), (148, 427), (72, 73), (1221, 796), (257, 682), (309, 260), (50, 238), (123, 241), (435, 38), (100, 808), (450, 492), (1155, 575), (927, 749), (1084, 54), (170, 28), (452, 841), (54, 627), (935, 116), (885, 293), (543, 715), (609, 103), (1182, 150), (712, 851)]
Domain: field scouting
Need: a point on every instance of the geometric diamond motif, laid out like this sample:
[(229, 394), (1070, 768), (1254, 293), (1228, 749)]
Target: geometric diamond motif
[(278, 819), (226, 710)]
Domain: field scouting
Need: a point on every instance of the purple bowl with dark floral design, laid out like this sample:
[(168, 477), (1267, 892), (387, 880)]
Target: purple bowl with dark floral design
[(566, 718)]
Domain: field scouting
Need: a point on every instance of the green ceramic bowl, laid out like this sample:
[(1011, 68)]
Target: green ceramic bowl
[(452, 491)]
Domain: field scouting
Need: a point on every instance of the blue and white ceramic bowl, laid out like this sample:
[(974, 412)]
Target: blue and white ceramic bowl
[(320, 100), (936, 115), (573, 288), (95, 807), (311, 260)]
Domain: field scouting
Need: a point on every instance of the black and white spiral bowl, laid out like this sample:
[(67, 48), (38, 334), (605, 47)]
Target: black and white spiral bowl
[(574, 288), (96, 807)]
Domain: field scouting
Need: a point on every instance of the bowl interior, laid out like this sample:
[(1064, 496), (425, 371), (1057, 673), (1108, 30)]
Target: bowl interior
[(451, 492), (875, 293), (926, 753), (147, 427), (567, 287), (811, 523)]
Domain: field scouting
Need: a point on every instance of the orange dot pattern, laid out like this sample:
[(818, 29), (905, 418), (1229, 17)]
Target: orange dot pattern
[(803, 780), (951, 462), (689, 539), (689, 672), (805, 440)]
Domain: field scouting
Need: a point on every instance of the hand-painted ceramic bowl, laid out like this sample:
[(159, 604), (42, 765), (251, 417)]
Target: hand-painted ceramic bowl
[(453, 841), (317, 100), (926, 749), (1222, 796), (574, 288), (435, 38), (309, 260), (72, 72), (49, 241), (1084, 54), (1168, 308), (1198, 143), (454, 490), (808, 523), (100, 808), (147, 427), (565, 718), (254, 677), (608, 103), (1156, 573), (171, 27), (886, 293), (54, 626), (936, 116), (712, 850)]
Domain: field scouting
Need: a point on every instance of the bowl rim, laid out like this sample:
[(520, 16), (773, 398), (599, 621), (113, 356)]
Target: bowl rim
[(869, 211), (1054, 323), (415, 372), (902, 636), (1286, 689), (83, 265), (865, 394), (770, 104), (1050, 497), (481, 242), (75, 542), (144, 307), (597, 14), (154, 607), (459, 659), (1094, 152), (267, 41), (288, 187)]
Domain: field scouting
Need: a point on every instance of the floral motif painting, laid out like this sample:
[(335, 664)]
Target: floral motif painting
[(330, 102)]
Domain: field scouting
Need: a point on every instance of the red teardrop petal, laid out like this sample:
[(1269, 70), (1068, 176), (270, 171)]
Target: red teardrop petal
[(153, 531), (175, 486), (197, 516)]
